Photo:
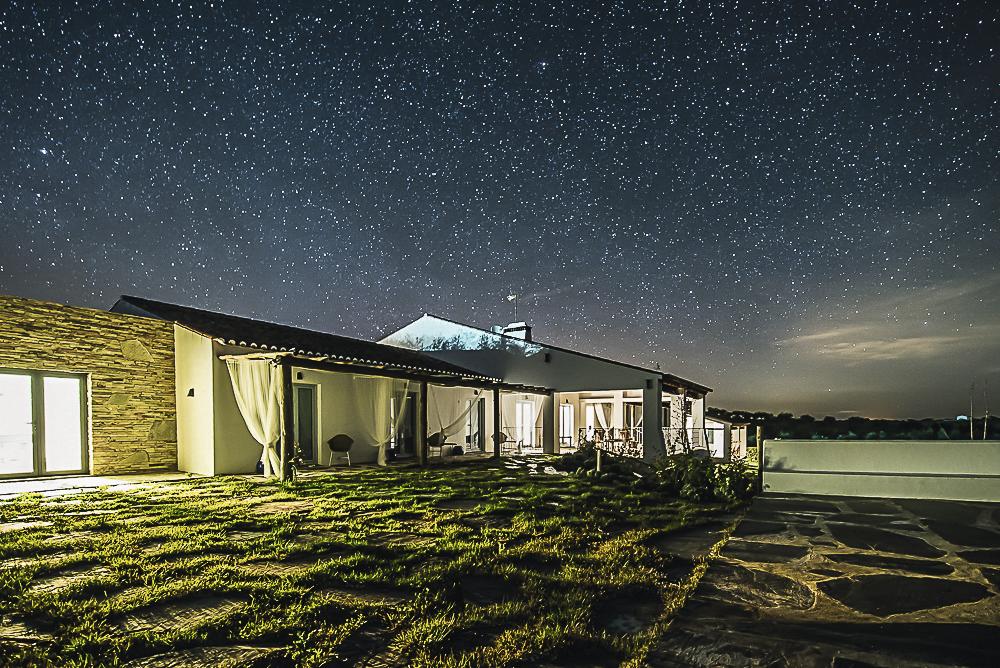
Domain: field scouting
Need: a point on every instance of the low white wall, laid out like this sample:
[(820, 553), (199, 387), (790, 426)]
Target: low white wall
[(958, 470)]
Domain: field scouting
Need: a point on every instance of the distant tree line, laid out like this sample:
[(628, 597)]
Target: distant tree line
[(786, 425)]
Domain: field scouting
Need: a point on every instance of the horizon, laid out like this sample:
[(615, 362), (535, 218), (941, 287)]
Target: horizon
[(839, 415), (796, 206)]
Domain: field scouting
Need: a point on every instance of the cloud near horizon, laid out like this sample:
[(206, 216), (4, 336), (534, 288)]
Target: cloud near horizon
[(857, 345), (923, 325)]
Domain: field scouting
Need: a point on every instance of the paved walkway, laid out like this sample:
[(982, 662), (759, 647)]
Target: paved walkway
[(834, 581), (70, 484)]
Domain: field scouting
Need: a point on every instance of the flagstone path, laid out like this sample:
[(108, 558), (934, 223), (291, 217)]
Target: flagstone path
[(833, 581), (180, 615), (204, 657)]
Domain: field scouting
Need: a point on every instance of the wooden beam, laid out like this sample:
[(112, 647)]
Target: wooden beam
[(416, 376), (287, 420), (361, 369)]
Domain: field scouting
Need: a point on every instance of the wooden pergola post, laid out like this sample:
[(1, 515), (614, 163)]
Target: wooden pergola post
[(760, 457), (496, 423), (422, 424), (287, 418)]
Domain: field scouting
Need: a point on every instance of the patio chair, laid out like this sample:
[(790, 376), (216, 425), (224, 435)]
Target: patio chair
[(437, 440), (340, 443), (508, 445)]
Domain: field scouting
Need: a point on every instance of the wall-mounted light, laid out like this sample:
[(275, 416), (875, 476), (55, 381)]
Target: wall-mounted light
[(191, 392), (298, 375)]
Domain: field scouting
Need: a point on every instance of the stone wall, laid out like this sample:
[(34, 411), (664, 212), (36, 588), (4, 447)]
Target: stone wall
[(130, 365)]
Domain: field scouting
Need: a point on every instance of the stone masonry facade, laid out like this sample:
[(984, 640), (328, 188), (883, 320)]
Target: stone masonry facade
[(129, 362)]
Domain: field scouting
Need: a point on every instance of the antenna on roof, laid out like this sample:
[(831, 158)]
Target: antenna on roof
[(513, 298)]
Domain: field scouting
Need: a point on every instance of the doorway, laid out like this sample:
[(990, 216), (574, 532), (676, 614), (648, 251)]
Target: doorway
[(525, 423), (404, 442), (43, 423), (565, 425), (306, 424), (475, 426), (597, 416)]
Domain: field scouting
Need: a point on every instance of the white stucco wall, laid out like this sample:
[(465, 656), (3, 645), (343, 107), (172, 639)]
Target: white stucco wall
[(516, 361), (195, 400), (720, 434), (236, 451), (212, 438), (958, 470)]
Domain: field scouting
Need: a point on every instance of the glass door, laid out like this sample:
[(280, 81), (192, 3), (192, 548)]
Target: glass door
[(17, 425), (305, 421), (475, 437), (525, 423), (565, 425), (404, 442), (42, 423), (63, 420)]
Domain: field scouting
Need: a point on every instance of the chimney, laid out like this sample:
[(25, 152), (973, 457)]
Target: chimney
[(519, 330)]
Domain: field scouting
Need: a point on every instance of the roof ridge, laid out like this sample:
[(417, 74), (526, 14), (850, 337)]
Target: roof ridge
[(601, 358), (241, 317)]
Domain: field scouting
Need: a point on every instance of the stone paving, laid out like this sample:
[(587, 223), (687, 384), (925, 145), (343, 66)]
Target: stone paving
[(180, 615), (204, 657), (834, 581)]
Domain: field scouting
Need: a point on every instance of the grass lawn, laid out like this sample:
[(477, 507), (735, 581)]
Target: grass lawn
[(464, 565)]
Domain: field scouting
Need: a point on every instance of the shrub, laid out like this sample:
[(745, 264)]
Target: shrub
[(699, 478), (613, 467), (686, 476)]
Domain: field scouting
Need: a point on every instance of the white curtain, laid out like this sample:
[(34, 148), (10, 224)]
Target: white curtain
[(508, 404), (636, 418), (456, 425), (603, 412), (536, 435), (257, 386), (373, 397)]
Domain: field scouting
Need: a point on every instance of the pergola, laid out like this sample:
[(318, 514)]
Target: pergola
[(285, 360)]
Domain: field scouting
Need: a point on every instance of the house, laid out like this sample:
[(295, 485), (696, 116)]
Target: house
[(151, 386), (628, 409), (725, 439)]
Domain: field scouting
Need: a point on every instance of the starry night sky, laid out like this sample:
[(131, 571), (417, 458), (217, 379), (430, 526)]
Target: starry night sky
[(795, 203)]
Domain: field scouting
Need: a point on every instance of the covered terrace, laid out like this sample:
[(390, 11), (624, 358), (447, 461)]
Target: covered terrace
[(389, 413)]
